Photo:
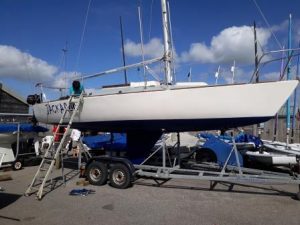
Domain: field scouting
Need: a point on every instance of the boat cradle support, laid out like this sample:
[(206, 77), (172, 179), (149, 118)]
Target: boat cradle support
[(213, 172)]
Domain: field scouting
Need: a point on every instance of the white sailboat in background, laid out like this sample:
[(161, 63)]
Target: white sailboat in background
[(171, 107), (278, 147)]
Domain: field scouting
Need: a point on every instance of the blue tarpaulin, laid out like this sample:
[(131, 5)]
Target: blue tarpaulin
[(221, 149), (108, 141), (24, 127)]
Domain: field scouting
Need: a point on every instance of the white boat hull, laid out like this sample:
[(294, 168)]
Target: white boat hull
[(8, 155), (6, 141), (281, 149), (174, 109), (272, 159), (9, 136)]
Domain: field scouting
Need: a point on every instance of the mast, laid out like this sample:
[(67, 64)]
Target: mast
[(217, 75), (277, 116), (232, 69), (295, 102), (167, 42), (123, 51), (255, 126), (288, 113), (256, 53), (63, 66)]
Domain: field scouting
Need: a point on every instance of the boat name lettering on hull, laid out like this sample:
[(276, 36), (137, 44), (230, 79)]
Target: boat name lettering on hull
[(59, 108)]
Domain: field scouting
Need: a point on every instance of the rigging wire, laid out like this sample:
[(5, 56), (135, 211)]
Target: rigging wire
[(150, 21), (78, 54), (63, 64), (295, 101), (266, 21), (145, 67), (28, 71), (82, 35), (142, 44)]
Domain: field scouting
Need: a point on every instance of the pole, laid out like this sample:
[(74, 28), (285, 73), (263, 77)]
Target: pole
[(167, 42), (256, 53), (288, 113), (256, 127), (217, 75), (232, 71), (295, 103), (18, 141), (190, 75), (64, 50), (277, 116), (123, 51)]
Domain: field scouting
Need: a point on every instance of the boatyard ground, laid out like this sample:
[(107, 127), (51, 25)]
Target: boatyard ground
[(175, 202)]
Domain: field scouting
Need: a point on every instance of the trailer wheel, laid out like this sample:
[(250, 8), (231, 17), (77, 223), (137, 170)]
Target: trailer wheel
[(97, 173), (205, 155), (120, 176), (17, 164)]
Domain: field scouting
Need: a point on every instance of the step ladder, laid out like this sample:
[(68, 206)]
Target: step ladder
[(54, 150), (84, 151)]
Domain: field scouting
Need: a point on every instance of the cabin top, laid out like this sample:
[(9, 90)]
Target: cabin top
[(142, 86)]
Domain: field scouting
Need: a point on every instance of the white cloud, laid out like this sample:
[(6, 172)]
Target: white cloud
[(271, 76), (64, 79), (233, 43), (23, 66), (240, 75), (296, 35), (282, 27), (154, 48), (198, 52)]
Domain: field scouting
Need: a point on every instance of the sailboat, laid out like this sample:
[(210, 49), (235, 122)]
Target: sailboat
[(170, 107), (286, 147)]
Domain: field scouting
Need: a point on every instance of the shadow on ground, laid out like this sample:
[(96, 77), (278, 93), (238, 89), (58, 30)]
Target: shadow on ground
[(224, 187), (7, 199)]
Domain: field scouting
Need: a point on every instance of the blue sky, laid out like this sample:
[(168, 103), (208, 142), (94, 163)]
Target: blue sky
[(206, 34)]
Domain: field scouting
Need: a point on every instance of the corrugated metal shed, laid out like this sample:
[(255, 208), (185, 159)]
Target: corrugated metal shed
[(13, 108)]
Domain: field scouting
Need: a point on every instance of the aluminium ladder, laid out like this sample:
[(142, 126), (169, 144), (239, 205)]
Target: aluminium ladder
[(54, 149)]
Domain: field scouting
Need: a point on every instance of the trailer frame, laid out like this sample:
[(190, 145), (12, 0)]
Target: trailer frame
[(172, 169)]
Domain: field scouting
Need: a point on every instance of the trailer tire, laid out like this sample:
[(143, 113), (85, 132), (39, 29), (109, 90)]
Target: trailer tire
[(205, 155), (120, 176), (17, 164), (97, 173)]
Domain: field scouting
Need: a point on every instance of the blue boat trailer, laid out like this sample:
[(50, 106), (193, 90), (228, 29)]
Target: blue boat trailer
[(121, 172)]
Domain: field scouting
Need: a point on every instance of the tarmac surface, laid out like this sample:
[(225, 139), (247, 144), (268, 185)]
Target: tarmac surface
[(176, 202)]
